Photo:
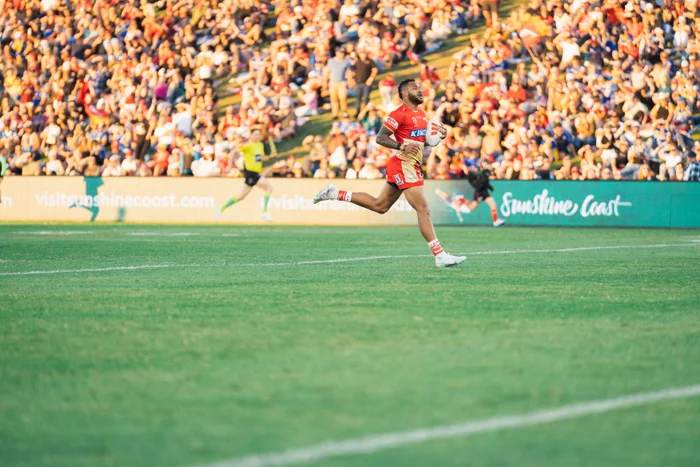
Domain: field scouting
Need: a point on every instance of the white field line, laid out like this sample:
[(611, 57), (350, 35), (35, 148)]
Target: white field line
[(474, 253), (374, 443), (584, 248), (55, 232), (77, 271), (338, 260), (347, 260), (163, 234)]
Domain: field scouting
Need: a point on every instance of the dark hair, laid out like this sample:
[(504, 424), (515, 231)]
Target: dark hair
[(402, 86)]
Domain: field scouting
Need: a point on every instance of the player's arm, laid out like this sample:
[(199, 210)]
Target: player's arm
[(384, 138), (273, 149)]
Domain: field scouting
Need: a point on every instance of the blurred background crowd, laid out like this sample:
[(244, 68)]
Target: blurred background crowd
[(576, 90)]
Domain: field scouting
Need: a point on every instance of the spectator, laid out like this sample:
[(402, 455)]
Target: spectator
[(323, 170), (387, 89), (354, 171), (54, 166), (365, 73), (490, 9), (370, 171), (159, 163), (113, 168), (370, 120), (692, 171), (336, 79), (205, 166), (129, 166), (92, 169)]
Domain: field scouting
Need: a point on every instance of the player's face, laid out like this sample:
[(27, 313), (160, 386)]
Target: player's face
[(415, 93), (255, 136)]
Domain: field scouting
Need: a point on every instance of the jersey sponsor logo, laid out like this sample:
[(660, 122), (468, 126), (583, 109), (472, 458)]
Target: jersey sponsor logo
[(417, 133), (391, 123), (398, 179)]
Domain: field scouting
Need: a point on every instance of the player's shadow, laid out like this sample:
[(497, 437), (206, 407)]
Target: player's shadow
[(92, 186)]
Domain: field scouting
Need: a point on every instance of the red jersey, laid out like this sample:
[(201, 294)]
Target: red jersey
[(409, 127)]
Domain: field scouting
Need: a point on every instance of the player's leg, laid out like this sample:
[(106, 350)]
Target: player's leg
[(381, 204), (494, 211), (416, 198), (233, 200), (265, 185)]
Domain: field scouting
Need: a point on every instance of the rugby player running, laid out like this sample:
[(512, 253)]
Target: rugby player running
[(408, 125)]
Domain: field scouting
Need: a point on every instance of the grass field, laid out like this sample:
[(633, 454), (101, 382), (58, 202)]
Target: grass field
[(230, 346)]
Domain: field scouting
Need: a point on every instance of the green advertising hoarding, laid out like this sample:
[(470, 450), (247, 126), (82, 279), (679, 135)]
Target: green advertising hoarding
[(568, 203), (192, 200)]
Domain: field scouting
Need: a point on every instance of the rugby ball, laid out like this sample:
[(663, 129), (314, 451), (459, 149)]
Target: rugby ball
[(432, 133)]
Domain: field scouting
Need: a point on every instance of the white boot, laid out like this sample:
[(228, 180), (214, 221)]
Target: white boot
[(330, 192), (445, 260)]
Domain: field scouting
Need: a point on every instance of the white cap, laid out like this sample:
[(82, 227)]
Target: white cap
[(208, 149)]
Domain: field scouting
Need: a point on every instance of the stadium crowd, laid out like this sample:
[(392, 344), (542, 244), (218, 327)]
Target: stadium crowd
[(604, 90), (582, 90)]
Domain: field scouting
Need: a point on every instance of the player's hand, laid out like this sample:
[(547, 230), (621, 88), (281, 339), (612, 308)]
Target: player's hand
[(443, 132), (412, 149), (369, 82)]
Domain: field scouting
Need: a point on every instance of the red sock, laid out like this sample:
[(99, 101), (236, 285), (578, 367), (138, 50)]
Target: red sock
[(435, 247), (494, 214), (344, 195)]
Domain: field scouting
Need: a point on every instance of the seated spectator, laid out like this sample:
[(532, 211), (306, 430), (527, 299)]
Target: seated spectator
[(205, 166), (92, 169), (129, 165), (369, 171), (353, 172), (159, 162), (113, 168)]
